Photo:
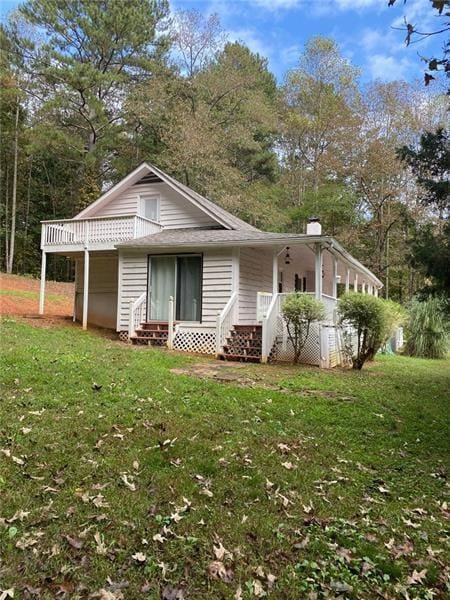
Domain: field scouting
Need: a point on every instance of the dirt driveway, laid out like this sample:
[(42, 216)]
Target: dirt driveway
[(19, 296)]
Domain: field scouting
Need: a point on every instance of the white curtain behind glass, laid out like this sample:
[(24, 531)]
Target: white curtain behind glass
[(162, 282)]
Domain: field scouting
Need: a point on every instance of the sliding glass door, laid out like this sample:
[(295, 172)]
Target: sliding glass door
[(162, 286), (179, 277)]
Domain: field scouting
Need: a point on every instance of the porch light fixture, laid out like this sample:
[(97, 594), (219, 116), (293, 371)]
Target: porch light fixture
[(287, 258)]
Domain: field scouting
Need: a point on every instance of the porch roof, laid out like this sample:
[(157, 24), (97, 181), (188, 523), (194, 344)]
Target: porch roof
[(197, 237)]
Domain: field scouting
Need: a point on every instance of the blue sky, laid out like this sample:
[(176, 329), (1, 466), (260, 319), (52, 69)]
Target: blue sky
[(278, 29)]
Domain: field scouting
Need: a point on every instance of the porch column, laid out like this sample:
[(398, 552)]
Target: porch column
[(42, 286), (85, 288), (334, 282), (363, 287), (347, 282), (369, 289), (275, 273), (376, 292), (318, 271), (235, 282), (355, 283)]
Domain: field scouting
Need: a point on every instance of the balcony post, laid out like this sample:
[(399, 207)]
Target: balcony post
[(318, 271), (74, 316), (347, 282), (355, 283), (42, 286), (86, 288)]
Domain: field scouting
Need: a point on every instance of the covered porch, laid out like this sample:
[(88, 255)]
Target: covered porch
[(320, 268)]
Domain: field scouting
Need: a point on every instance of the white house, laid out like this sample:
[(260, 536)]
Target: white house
[(161, 264)]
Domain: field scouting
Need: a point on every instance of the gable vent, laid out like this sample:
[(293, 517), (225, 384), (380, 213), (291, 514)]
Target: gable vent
[(150, 178)]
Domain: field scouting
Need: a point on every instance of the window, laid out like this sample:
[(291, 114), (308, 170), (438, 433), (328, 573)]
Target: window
[(149, 207)]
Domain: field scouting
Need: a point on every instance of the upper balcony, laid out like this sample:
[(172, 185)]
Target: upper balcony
[(96, 233)]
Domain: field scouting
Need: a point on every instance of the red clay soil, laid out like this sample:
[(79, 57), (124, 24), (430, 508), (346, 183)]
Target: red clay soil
[(19, 296)]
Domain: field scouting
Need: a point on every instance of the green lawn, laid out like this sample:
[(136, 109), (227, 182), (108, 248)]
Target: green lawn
[(302, 484)]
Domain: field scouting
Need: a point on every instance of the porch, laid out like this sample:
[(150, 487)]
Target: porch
[(249, 325)]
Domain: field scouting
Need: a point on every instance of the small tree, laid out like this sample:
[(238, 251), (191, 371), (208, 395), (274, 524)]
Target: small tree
[(366, 314), (393, 316), (427, 329), (299, 311)]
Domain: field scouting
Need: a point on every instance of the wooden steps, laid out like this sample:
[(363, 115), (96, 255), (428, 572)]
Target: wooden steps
[(153, 333), (244, 344)]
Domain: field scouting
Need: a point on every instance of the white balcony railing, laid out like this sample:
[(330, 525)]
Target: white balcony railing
[(96, 231)]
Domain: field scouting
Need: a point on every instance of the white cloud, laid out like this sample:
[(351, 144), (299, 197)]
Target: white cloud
[(388, 68), (276, 5), (250, 38), (290, 55)]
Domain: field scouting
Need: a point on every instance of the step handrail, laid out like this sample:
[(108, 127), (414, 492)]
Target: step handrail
[(225, 322), (269, 327), (136, 314)]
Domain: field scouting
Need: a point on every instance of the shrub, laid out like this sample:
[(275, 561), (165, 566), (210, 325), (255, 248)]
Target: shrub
[(299, 311), (427, 329), (394, 316), (367, 315)]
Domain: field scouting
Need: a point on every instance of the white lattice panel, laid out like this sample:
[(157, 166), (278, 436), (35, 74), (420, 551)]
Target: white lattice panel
[(284, 351), (202, 340)]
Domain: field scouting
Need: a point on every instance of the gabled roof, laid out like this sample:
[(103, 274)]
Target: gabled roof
[(218, 214)]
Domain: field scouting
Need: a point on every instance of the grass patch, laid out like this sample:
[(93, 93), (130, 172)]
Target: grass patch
[(33, 295), (153, 484)]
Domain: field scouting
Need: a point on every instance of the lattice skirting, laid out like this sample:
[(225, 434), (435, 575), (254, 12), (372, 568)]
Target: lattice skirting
[(123, 336), (200, 339), (283, 350)]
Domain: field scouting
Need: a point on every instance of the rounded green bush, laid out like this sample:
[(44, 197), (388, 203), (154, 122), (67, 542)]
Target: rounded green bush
[(299, 311)]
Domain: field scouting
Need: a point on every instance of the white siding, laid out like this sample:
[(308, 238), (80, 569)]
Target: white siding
[(132, 283), (176, 211), (217, 282), (102, 301), (255, 275)]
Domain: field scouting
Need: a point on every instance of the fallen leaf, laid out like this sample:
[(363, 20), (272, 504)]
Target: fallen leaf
[(217, 570), (416, 578), (74, 542), (287, 465), (139, 557), (220, 552), (129, 484)]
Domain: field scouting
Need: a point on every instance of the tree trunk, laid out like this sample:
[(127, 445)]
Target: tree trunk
[(12, 238), (6, 215)]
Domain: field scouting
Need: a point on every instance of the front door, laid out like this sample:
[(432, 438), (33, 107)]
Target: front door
[(179, 277)]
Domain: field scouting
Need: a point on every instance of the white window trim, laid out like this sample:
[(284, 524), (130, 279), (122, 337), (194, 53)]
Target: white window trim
[(149, 196)]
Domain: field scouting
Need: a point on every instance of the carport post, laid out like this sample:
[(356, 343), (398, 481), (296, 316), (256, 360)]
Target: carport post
[(42, 286), (85, 288)]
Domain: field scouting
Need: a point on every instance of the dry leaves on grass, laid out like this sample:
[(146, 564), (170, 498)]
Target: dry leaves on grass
[(217, 570)]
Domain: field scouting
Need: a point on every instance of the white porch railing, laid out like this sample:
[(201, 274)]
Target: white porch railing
[(137, 314), (97, 230), (225, 321), (330, 308), (263, 300), (273, 325), (269, 327)]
